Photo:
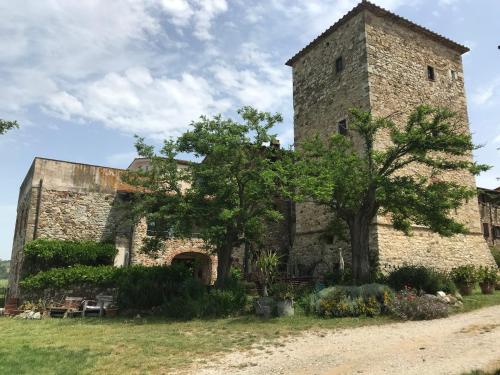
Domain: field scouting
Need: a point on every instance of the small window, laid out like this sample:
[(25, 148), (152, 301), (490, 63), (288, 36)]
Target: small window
[(342, 127), (486, 230), (453, 75), (155, 228), (339, 64), (497, 232), (430, 73)]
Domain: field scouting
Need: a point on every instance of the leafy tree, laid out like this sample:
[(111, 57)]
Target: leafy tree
[(228, 197), (357, 183), (7, 125)]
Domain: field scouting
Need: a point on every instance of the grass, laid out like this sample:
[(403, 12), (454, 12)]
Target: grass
[(152, 345), (3, 283)]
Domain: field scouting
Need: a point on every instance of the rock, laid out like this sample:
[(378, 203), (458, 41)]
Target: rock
[(452, 299), (37, 316), (458, 296), (441, 294)]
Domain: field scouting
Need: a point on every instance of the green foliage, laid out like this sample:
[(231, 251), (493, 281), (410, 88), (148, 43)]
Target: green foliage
[(7, 125), (4, 269), (495, 251), (488, 275), (342, 301), (145, 287), (139, 287), (267, 263), (76, 275), (421, 278), (407, 305), (44, 254), (465, 275), (359, 184), (230, 198), (195, 300)]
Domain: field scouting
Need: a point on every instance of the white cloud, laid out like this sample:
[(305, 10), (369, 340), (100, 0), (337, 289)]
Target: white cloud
[(199, 13), (488, 93), (137, 102)]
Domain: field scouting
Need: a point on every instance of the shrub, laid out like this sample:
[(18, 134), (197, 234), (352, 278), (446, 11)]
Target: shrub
[(196, 300), (465, 275), (407, 305), (65, 277), (495, 251), (421, 278), (44, 254), (487, 275), (146, 287), (341, 301)]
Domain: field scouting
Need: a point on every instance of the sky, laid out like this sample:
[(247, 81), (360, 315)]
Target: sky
[(82, 77)]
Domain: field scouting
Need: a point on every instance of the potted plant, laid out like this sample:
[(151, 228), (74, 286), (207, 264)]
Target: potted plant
[(465, 277), (487, 279), (111, 311), (267, 265), (283, 293)]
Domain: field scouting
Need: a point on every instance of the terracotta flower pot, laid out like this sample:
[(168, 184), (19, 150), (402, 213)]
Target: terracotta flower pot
[(111, 312), (466, 289), (487, 288)]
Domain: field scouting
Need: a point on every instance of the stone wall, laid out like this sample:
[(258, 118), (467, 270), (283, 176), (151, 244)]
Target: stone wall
[(489, 210), (398, 58), (321, 98), (385, 72), (171, 248)]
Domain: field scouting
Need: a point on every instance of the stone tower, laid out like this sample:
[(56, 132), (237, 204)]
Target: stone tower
[(378, 61)]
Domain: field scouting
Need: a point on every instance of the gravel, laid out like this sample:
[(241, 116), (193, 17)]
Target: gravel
[(453, 345)]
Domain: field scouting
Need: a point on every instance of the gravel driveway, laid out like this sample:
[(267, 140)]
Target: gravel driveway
[(445, 346)]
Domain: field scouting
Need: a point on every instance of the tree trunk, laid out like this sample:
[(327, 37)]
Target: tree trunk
[(223, 264), (359, 229)]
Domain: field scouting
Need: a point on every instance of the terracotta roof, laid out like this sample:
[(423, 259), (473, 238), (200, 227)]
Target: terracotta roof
[(384, 13)]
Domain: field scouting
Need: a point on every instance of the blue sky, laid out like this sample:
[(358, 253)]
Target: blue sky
[(82, 77)]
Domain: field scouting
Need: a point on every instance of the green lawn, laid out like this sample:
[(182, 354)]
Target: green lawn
[(149, 345)]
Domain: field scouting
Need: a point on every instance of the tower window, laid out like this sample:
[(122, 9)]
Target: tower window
[(339, 64), (453, 75), (342, 127), (486, 230), (430, 73)]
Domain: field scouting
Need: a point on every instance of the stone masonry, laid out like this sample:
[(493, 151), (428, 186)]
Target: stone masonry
[(386, 61)]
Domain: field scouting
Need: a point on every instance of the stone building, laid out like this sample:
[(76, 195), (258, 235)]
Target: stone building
[(371, 59), (73, 201), (377, 61), (489, 208)]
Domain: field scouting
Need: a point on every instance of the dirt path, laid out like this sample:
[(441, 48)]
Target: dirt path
[(446, 346)]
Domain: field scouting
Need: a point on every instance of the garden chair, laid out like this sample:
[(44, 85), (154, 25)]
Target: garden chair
[(96, 307)]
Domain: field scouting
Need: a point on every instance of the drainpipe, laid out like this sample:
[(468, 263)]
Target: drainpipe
[(38, 205)]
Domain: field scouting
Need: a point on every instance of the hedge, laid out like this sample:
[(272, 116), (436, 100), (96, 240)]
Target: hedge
[(171, 289), (138, 286), (44, 254), (421, 278)]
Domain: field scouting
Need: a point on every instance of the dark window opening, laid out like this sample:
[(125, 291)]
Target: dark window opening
[(430, 73), (339, 64), (496, 232), (342, 127), (453, 75), (486, 230)]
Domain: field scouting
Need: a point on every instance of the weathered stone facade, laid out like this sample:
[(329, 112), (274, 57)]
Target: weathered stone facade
[(489, 208), (72, 201), (384, 68)]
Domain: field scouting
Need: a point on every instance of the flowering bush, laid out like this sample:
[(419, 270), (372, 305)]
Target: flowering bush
[(408, 305), (342, 301)]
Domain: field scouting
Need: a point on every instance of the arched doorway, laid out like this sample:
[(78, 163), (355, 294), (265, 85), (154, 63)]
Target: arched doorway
[(198, 263)]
